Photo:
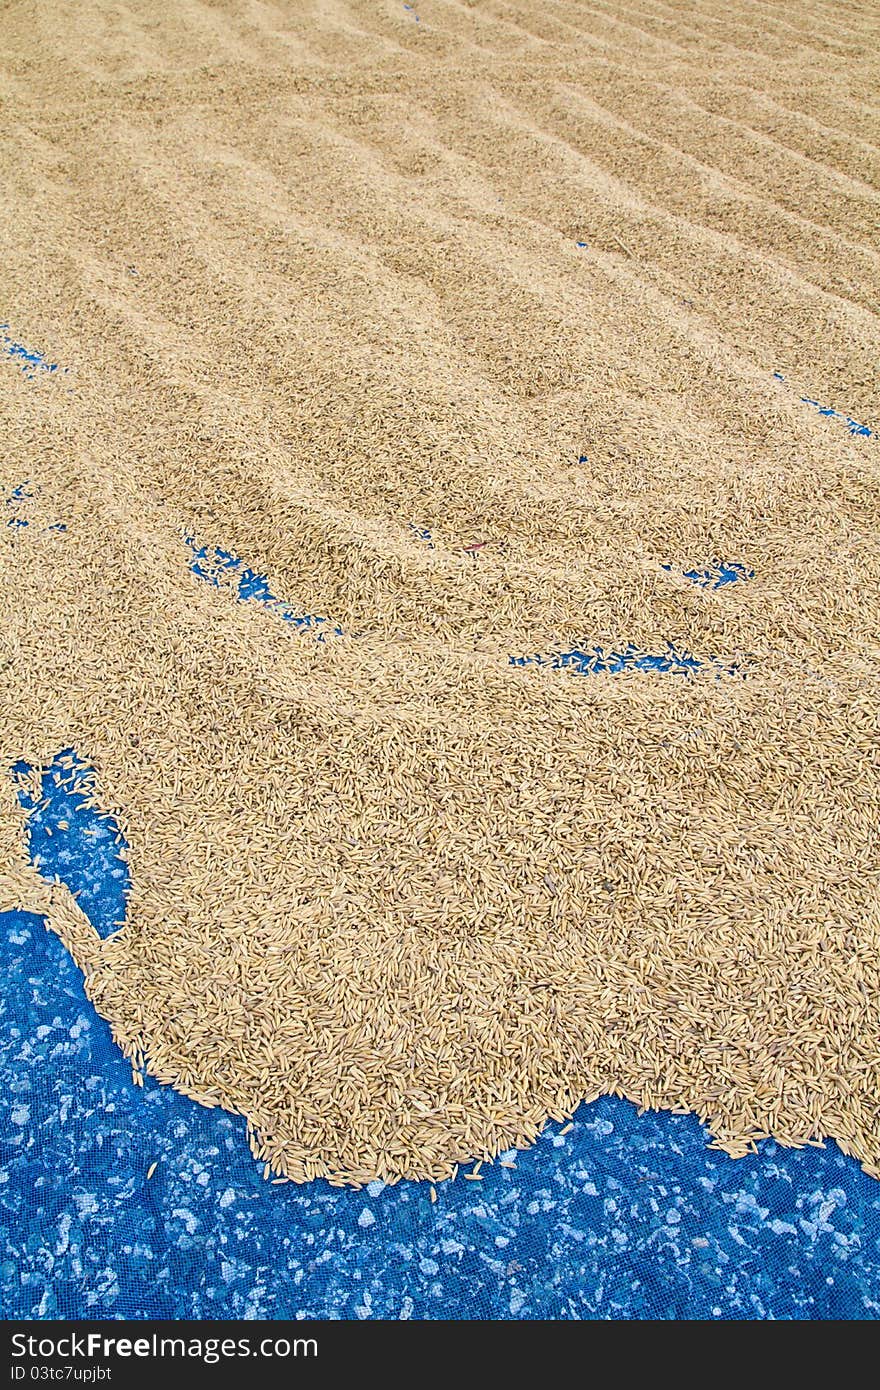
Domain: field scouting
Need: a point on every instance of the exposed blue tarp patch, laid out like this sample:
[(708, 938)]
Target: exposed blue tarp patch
[(422, 533), (717, 574), (211, 564), (28, 360), (855, 429), (17, 496), (72, 842), (19, 512), (852, 425), (585, 661)]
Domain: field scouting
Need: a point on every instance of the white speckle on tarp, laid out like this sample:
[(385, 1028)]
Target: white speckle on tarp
[(779, 1228), (189, 1220), (517, 1299)]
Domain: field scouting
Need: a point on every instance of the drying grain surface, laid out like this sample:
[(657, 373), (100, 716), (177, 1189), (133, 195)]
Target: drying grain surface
[(323, 273)]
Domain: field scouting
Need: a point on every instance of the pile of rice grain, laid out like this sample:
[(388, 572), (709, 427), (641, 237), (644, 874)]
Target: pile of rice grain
[(318, 280)]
